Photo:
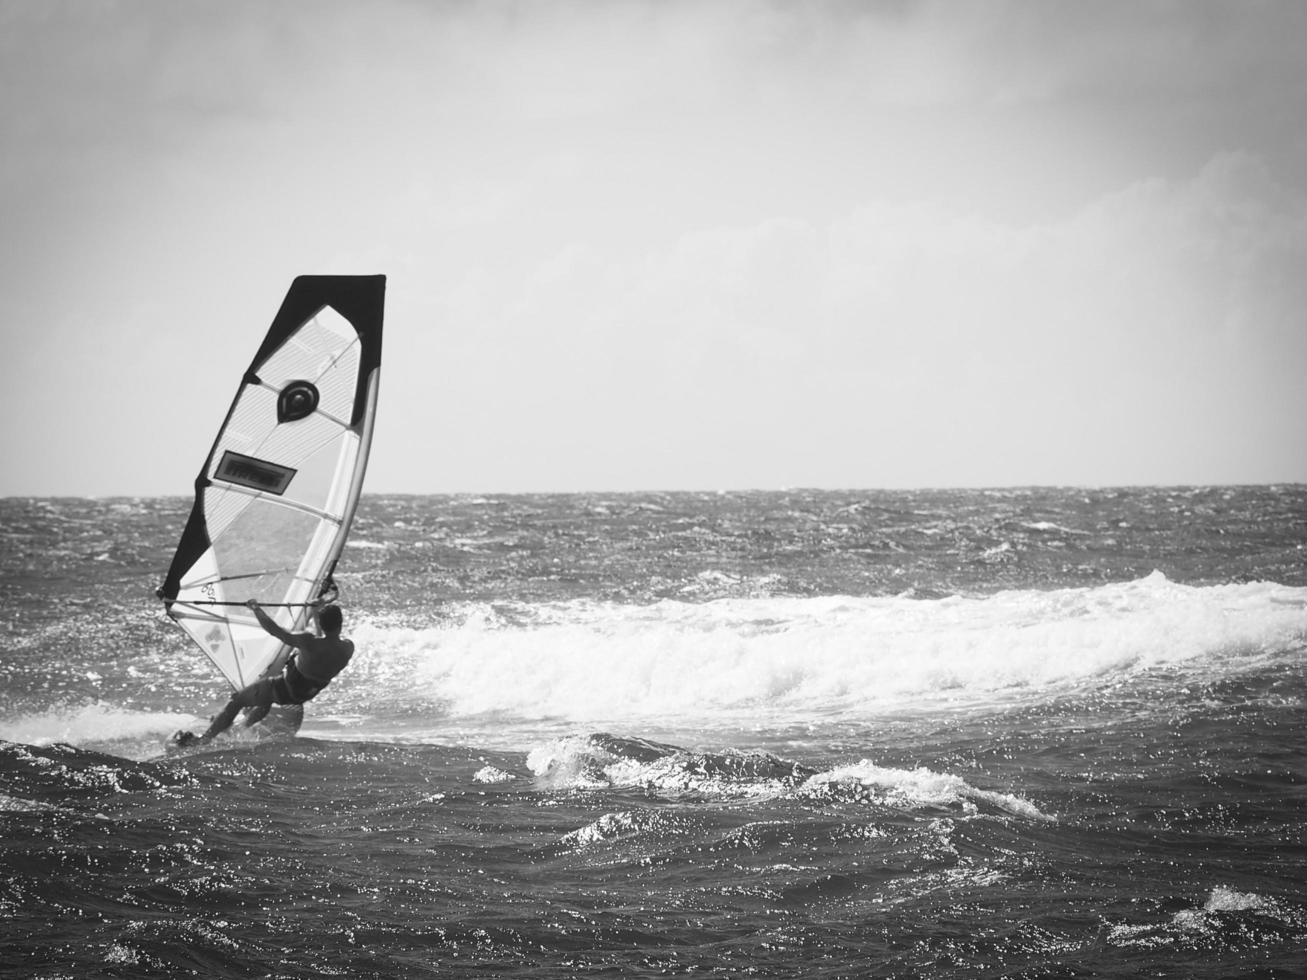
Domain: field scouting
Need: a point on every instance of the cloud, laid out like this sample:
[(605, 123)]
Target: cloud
[(938, 342)]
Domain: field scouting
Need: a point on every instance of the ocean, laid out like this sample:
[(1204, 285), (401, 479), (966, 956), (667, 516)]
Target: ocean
[(1028, 733)]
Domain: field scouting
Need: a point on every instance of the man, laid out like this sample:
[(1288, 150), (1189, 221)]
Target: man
[(316, 660)]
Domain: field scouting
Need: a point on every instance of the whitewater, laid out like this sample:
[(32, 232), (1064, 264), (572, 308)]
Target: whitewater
[(1006, 733)]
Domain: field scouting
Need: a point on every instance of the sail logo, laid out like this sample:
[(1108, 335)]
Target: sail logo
[(254, 474), (297, 401)]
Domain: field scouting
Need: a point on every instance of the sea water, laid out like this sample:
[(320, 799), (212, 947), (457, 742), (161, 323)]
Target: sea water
[(1019, 733)]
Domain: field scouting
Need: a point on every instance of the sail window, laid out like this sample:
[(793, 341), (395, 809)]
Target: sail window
[(256, 474)]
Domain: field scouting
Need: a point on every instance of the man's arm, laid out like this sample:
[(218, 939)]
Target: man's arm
[(268, 623)]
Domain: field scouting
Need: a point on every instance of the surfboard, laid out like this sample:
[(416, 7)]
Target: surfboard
[(278, 490)]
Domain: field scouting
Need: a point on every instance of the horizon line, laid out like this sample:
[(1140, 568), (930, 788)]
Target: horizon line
[(702, 491)]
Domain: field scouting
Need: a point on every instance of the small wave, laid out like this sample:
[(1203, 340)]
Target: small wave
[(911, 788), (608, 761), (605, 761), (1225, 910), (654, 826), (1224, 902), (63, 772), (1000, 553), (607, 827), (716, 584), (14, 804), (1050, 528)]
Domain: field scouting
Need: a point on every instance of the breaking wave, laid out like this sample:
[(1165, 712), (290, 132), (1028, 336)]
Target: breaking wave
[(793, 659)]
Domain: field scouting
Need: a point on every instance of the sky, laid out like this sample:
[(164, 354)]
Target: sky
[(638, 245)]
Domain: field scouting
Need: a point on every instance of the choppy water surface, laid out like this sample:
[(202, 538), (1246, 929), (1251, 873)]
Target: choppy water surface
[(1021, 733)]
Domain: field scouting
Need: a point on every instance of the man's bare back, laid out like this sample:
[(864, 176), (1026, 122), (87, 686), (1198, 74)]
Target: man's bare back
[(319, 658)]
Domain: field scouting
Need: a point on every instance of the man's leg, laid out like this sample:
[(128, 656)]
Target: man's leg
[(258, 693), (262, 704)]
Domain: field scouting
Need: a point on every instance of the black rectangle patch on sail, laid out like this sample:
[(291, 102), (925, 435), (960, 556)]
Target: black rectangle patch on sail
[(256, 474)]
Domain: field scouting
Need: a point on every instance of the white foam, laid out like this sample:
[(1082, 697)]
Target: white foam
[(91, 724), (490, 774), (790, 658), (1223, 899)]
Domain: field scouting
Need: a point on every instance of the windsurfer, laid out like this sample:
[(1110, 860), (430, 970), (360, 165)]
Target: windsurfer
[(316, 660)]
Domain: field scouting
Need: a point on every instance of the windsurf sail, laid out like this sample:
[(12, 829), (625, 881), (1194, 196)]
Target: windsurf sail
[(278, 490)]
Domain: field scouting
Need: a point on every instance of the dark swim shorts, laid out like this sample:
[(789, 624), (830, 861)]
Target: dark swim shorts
[(292, 687)]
